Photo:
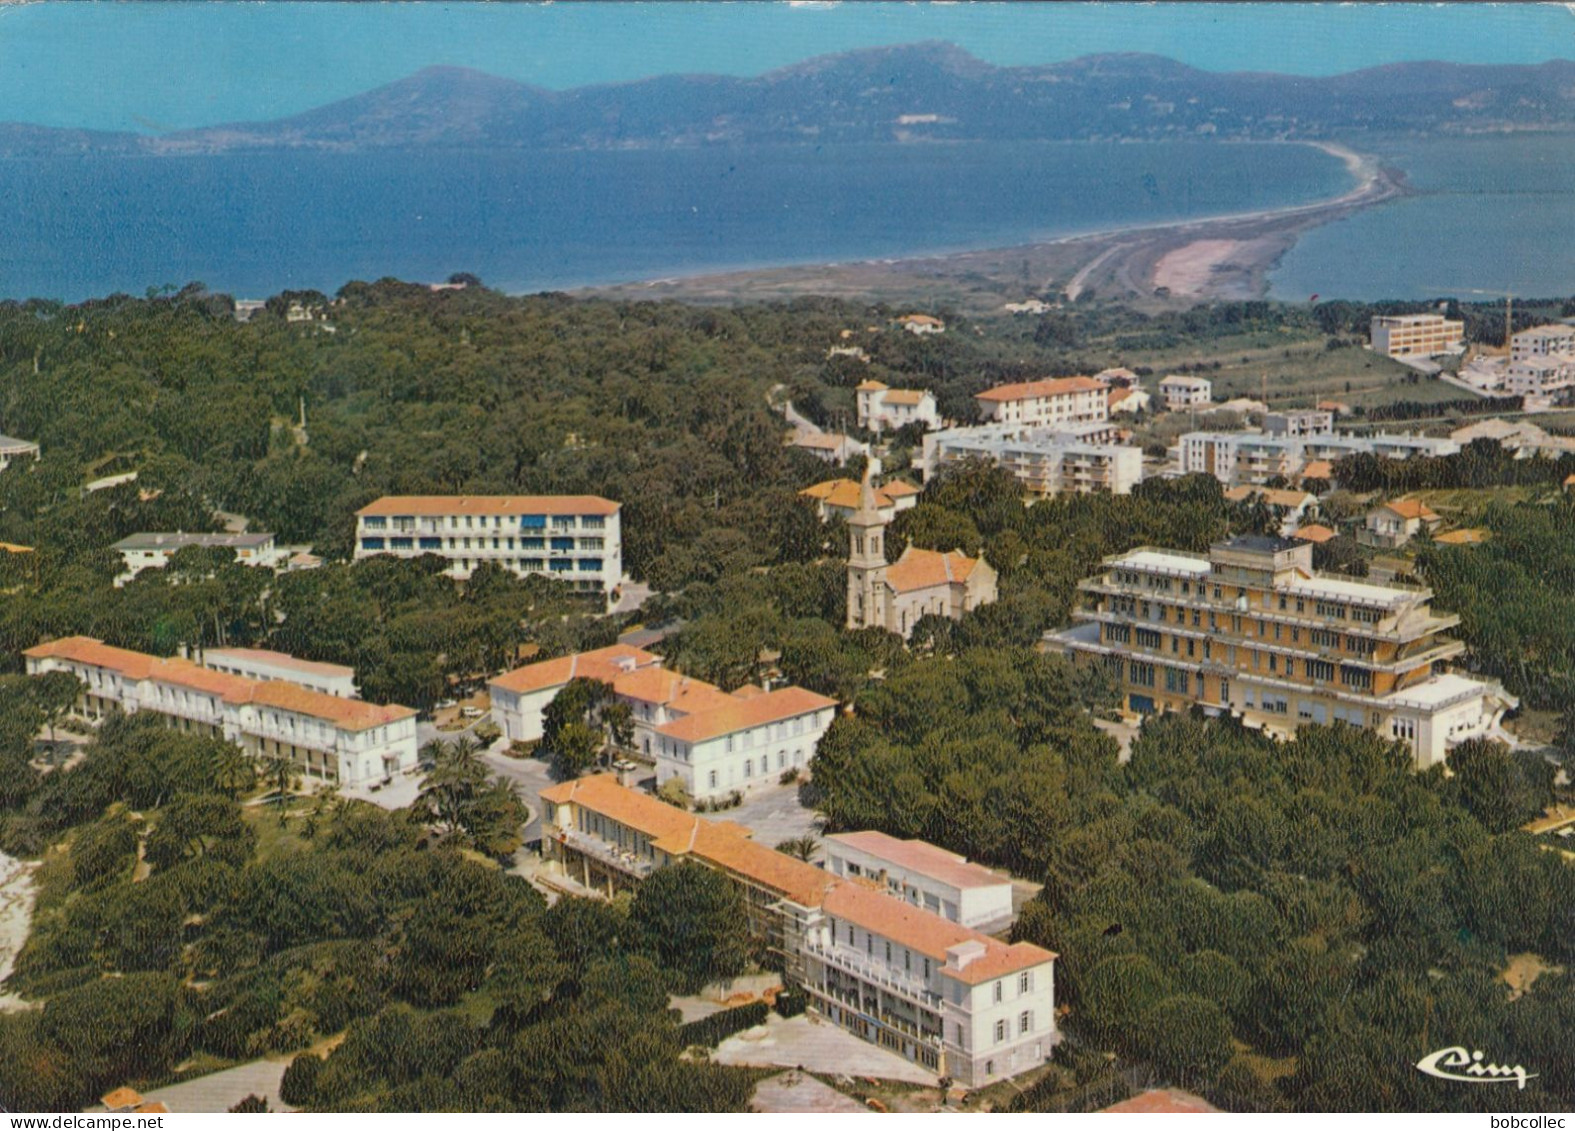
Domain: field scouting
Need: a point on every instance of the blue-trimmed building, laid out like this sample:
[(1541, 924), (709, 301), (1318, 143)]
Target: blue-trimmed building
[(572, 538)]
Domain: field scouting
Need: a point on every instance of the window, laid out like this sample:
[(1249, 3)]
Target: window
[(888, 950), (749, 767), (1359, 678), (1118, 633), (1025, 1021), (1025, 982), (713, 779), (1324, 638), (1140, 674), (370, 523), (1000, 1031), (1147, 638), (1319, 669), (371, 543), (1176, 681), (998, 991)]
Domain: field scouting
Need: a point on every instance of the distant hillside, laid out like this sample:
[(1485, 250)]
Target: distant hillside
[(928, 91)]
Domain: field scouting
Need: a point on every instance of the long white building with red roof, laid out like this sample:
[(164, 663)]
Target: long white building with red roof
[(939, 993), (1062, 401), (572, 538), (329, 737)]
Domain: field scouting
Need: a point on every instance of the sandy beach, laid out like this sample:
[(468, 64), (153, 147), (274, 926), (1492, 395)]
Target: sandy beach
[(1150, 266), (16, 913)]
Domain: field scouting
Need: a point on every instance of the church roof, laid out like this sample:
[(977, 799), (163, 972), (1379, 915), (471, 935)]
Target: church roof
[(926, 569)]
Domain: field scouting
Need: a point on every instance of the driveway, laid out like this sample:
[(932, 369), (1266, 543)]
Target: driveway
[(532, 775), (774, 814), (817, 1045)]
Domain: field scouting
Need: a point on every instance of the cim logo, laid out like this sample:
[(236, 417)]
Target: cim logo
[(1468, 1068)]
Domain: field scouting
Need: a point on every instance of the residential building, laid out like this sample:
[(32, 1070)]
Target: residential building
[(1239, 457), (1339, 408), (1542, 375), (1046, 461), (1028, 306), (12, 449), (260, 664), (741, 742), (832, 447), (714, 741), (576, 539), (1290, 507), (1542, 341), (328, 737), (1119, 377), (1522, 437), (839, 498), (884, 409), (941, 882), (936, 992), (1315, 533), (1251, 629), (519, 697), (1127, 400), (1257, 457), (1394, 524), (1302, 422), (1180, 392), (1241, 406), (1416, 335), (1050, 403), (152, 551), (921, 324), (896, 595)]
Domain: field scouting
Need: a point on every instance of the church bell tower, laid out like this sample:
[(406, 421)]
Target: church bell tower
[(867, 557)]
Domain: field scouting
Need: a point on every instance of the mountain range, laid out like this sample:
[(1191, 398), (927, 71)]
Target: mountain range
[(919, 92)]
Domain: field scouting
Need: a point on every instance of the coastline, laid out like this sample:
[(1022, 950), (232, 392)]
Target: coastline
[(1150, 265), (17, 892)]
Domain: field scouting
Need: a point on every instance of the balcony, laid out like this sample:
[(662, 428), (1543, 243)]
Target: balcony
[(864, 967), (609, 854)]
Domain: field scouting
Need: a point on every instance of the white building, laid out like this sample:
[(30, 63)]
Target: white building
[(576, 539), (1047, 461), (1064, 401), (1542, 375), (943, 995), (1127, 400), (1542, 341), (941, 882), (832, 447), (519, 697), (1302, 422), (1416, 335), (152, 551), (744, 744), (1257, 457), (921, 324), (328, 737), (1180, 392), (263, 664), (12, 449), (884, 409)]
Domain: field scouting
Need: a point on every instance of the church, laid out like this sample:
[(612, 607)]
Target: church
[(894, 595)]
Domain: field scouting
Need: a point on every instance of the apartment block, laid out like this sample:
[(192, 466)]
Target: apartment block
[(884, 409), (941, 994), (327, 736), (1064, 401), (262, 664), (1180, 392), (713, 741), (1392, 525), (12, 449), (1301, 422), (1257, 457), (1540, 376), (1416, 335), (1250, 629), (152, 551), (941, 882), (1542, 341), (1046, 461), (576, 539)]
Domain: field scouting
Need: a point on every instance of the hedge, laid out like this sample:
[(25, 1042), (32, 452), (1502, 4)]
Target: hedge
[(713, 1030)]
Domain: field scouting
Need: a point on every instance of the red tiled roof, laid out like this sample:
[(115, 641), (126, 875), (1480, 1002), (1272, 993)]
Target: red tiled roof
[(87, 650), (1314, 533), (390, 505), (1410, 508), (604, 664), (925, 569), (741, 714), (870, 387), (678, 692), (1023, 390), (278, 659), (1318, 469), (844, 493), (905, 396), (346, 714), (1159, 1101)]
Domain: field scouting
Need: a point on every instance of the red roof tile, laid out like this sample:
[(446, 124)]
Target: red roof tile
[(1023, 390)]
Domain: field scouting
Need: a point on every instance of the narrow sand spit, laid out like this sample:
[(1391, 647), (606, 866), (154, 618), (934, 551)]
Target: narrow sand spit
[(1189, 269)]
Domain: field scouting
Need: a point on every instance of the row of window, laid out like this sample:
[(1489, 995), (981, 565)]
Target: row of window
[(400, 542), (479, 522), (1331, 609)]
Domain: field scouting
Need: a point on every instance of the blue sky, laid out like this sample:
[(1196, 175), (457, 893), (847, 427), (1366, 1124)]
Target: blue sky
[(159, 66)]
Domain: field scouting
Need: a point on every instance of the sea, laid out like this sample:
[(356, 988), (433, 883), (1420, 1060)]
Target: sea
[(1489, 214), (254, 225)]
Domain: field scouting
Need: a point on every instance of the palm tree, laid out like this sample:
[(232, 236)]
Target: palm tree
[(800, 847), (280, 775), (234, 771)]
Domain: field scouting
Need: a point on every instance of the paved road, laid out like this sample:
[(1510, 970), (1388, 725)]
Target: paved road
[(774, 814), (530, 774)]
